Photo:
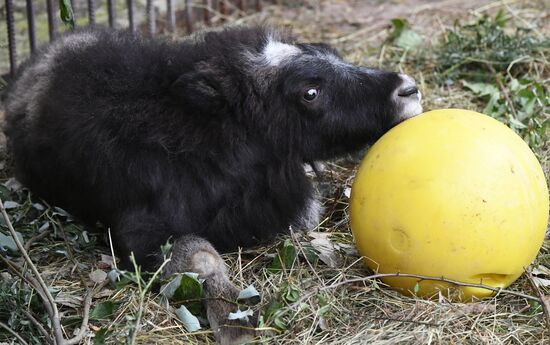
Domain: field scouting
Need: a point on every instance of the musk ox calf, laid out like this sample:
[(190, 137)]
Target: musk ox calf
[(201, 142)]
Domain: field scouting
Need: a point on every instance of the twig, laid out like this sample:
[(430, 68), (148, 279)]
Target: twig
[(36, 238), (142, 292), (14, 333), (112, 248), (504, 90), (13, 267), (43, 288), (51, 308), (37, 324), (85, 314), (420, 277), (543, 299), (431, 324), (299, 246), (70, 253)]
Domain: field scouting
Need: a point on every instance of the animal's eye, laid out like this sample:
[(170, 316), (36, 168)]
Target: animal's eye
[(311, 94)]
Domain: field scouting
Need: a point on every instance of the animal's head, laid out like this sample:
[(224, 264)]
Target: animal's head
[(305, 97)]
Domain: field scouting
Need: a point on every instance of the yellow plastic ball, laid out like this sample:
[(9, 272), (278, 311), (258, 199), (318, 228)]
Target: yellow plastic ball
[(450, 193)]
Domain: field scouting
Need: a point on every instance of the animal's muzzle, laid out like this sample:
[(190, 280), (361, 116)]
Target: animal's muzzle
[(408, 97)]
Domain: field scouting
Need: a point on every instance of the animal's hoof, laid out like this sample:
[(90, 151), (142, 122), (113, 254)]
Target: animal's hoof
[(230, 330), (234, 332)]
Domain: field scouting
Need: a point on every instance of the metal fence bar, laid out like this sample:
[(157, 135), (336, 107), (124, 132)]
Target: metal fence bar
[(209, 7), (91, 12), (222, 7), (207, 4), (189, 15), (11, 36), (31, 26), (131, 22), (171, 15), (151, 24), (52, 23), (241, 5), (111, 9)]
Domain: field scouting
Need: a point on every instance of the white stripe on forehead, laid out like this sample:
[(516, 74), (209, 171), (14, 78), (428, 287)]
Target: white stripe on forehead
[(276, 52)]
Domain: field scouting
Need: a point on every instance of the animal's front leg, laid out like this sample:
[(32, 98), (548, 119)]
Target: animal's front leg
[(195, 254)]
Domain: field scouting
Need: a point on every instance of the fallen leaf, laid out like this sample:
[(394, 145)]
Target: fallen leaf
[(106, 261), (541, 270), (241, 315), (541, 282), (189, 321), (103, 311), (250, 293), (327, 252), (98, 276), (11, 204), (7, 242), (347, 192), (13, 185), (68, 300), (285, 258)]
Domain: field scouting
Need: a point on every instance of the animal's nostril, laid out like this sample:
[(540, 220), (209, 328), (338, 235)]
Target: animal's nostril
[(408, 91)]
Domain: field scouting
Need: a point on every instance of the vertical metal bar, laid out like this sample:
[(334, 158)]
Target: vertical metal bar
[(91, 12), (131, 22), (207, 4), (259, 5), (52, 23), (11, 36), (171, 14), (32, 28), (111, 9), (222, 7), (241, 6), (189, 15), (151, 24)]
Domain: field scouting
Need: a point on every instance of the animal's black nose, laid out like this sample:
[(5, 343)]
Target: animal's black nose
[(407, 91)]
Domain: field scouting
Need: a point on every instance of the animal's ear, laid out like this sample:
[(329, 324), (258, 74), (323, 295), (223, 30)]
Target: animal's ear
[(198, 89)]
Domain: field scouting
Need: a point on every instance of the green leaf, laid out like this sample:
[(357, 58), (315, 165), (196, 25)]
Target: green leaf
[(310, 253), (290, 292), (402, 35), (273, 314), (100, 336), (120, 278), (398, 25), (408, 40), (323, 310), (190, 292), (286, 254), (482, 89), (516, 123), (416, 288), (500, 19), (166, 248), (104, 311), (66, 13), (536, 307), (189, 321)]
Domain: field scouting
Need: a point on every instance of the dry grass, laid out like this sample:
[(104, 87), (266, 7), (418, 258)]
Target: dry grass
[(312, 311)]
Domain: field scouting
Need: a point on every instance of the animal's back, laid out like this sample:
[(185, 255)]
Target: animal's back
[(76, 111)]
